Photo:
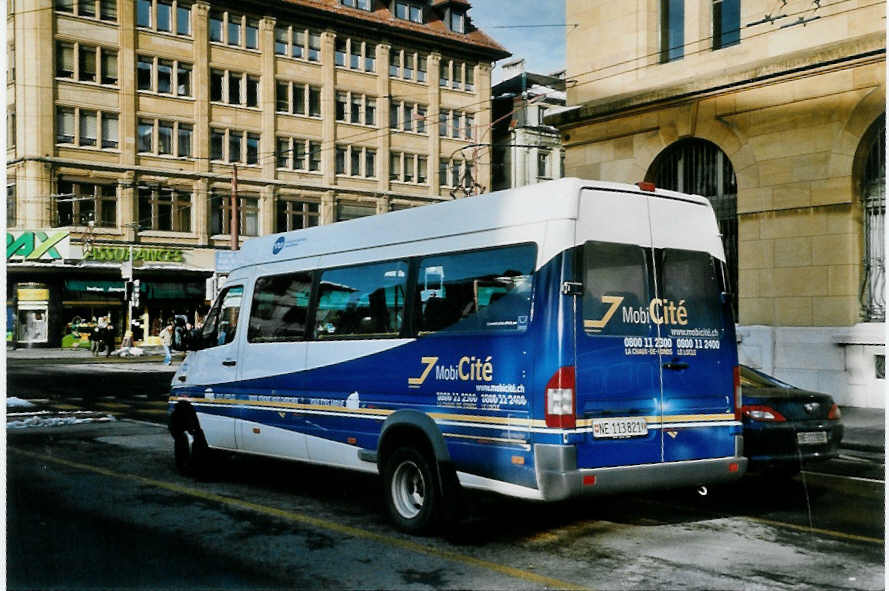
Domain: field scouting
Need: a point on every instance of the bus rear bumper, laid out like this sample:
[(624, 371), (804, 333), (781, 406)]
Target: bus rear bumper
[(558, 477)]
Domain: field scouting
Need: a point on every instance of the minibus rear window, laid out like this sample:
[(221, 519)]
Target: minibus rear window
[(691, 282), (616, 289)]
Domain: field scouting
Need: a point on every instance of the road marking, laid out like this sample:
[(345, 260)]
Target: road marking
[(315, 522), (112, 405), (150, 411), (842, 477)]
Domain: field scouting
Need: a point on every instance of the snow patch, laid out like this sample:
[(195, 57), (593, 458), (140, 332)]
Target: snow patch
[(56, 421), (13, 402)]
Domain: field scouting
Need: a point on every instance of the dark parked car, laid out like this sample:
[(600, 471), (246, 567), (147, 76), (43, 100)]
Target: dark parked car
[(785, 427)]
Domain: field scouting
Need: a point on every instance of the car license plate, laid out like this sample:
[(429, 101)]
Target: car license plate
[(811, 437), (619, 428)]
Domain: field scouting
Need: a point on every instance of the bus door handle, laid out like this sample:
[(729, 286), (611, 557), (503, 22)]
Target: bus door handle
[(229, 363), (675, 365)]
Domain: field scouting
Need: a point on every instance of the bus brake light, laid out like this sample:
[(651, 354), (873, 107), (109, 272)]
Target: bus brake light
[(737, 381), (560, 398)]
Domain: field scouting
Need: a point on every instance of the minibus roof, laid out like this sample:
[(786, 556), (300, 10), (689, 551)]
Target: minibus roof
[(542, 202)]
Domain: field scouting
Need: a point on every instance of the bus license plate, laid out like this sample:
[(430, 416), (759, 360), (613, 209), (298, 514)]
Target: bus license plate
[(619, 428), (811, 437)]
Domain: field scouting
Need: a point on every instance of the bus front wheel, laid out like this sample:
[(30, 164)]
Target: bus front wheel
[(190, 449), (412, 492)]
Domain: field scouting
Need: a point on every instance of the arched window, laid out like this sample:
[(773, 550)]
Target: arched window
[(697, 166), (873, 196)]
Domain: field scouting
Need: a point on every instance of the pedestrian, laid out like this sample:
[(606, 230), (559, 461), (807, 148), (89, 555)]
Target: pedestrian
[(167, 340), (109, 338)]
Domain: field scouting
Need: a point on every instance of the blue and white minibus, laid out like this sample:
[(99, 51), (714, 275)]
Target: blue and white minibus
[(557, 340)]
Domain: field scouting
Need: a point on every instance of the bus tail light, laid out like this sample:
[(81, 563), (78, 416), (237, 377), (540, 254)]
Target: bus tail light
[(737, 383), (560, 398)]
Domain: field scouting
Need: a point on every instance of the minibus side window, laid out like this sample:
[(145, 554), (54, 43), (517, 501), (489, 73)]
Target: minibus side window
[(222, 321), (692, 282), (476, 291), (364, 300), (616, 289), (279, 309)]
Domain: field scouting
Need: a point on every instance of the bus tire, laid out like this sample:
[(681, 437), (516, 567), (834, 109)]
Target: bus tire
[(412, 491)]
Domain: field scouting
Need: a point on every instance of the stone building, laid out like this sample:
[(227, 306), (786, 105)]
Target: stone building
[(128, 119), (525, 150), (776, 112)]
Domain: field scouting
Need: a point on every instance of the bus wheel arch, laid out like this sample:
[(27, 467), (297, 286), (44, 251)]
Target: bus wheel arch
[(416, 467)]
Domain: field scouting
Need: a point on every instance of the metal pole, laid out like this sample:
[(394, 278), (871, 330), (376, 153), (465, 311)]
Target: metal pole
[(234, 212)]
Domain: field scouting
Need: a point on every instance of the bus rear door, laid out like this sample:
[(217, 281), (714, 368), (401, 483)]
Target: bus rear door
[(696, 330), (618, 389)]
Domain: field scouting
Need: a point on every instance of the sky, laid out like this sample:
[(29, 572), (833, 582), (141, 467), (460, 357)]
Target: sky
[(506, 21)]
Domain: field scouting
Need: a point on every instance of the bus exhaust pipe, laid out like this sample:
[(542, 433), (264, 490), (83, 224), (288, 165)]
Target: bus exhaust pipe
[(702, 490)]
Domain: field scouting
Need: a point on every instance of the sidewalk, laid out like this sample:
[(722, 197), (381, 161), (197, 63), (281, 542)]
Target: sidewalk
[(150, 355), (865, 428)]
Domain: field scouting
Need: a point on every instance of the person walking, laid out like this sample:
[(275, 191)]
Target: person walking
[(109, 338), (167, 340)]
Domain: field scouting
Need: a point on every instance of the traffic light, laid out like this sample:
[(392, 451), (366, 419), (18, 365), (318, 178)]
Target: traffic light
[(128, 291), (136, 293)]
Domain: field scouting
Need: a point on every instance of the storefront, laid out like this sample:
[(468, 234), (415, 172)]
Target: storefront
[(56, 297)]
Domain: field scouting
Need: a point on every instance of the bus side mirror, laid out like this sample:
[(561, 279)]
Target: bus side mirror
[(725, 296)]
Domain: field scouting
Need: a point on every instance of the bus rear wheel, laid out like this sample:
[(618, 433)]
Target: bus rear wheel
[(412, 492)]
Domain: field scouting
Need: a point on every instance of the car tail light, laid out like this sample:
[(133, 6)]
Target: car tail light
[(737, 383), (761, 412), (646, 186), (560, 408), (835, 412)]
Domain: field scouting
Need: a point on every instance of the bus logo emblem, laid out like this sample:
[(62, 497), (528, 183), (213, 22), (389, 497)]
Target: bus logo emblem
[(279, 245), (430, 363), (615, 301)]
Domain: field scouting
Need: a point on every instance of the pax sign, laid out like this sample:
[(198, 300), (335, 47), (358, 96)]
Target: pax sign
[(32, 245)]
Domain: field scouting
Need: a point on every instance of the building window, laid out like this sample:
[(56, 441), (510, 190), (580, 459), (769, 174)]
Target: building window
[(164, 16), (700, 167), (296, 215), (106, 9), (457, 21), (81, 127), (10, 204), (726, 23), (231, 145), (164, 209), (233, 29), (408, 168), (407, 65), (672, 30), (315, 156), (409, 11), (172, 138), (215, 30), (355, 54), (78, 204), (234, 88), (314, 46), (873, 192), (361, 4), (10, 129), (543, 164), (84, 69), (163, 76), (296, 98), (248, 214), (349, 211), (293, 153)]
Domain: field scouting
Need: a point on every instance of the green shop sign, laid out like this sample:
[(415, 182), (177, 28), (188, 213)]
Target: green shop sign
[(32, 245), (119, 254)]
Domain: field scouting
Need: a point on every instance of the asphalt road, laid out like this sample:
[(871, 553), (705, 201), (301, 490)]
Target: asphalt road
[(100, 505)]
